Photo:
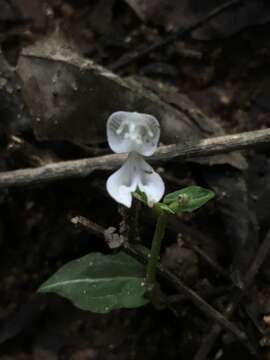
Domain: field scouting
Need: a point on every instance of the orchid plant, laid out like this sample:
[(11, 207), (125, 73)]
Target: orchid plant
[(101, 283)]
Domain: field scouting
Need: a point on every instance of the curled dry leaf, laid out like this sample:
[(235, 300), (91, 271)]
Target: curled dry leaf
[(13, 110), (71, 99)]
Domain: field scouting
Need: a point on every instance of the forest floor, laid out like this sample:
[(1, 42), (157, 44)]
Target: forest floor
[(224, 71)]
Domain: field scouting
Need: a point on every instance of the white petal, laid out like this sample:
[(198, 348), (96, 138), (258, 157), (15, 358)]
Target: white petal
[(135, 173), (123, 182), (150, 145), (150, 182), (116, 143), (132, 131)]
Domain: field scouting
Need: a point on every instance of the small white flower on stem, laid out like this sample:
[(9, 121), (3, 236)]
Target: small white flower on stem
[(136, 134)]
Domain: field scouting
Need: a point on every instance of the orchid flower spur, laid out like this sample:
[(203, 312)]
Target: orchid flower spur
[(138, 135)]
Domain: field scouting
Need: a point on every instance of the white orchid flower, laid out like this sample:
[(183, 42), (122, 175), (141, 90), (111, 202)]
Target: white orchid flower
[(136, 134)]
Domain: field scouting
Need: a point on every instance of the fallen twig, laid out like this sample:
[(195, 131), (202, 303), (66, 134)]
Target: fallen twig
[(84, 167), (257, 262), (172, 279), (135, 55)]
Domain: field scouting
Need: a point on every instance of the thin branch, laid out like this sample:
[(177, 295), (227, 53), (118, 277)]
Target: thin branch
[(257, 262), (172, 279), (84, 167), (134, 56)]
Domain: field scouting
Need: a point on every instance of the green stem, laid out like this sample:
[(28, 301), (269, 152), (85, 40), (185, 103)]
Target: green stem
[(155, 250)]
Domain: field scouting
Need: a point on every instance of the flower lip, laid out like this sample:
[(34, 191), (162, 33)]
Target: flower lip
[(135, 174), (133, 132)]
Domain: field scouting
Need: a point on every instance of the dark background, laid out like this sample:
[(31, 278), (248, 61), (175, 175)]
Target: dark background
[(224, 70)]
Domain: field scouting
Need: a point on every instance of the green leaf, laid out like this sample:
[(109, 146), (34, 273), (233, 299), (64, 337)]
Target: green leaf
[(164, 207), (100, 283), (188, 199)]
